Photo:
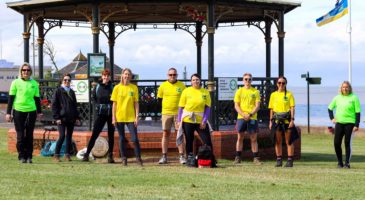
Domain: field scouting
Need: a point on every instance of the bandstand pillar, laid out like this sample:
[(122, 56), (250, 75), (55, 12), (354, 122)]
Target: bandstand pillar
[(268, 40), (26, 36), (95, 27), (281, 35), (211, 83), (40, 41), (111, 48), (199, 42)]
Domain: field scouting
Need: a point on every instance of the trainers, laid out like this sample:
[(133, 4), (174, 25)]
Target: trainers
[(289, 163), (23, 160), (256, 161), (124, 162), (182, 160), (279, 163), (237, 160), (163, 160), (29, 160), (139, 162), (347, 166), (340, 165)]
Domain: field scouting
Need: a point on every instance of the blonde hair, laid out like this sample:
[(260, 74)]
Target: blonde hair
[(124, 70), (349, 84), (20, 69), (247, 74)]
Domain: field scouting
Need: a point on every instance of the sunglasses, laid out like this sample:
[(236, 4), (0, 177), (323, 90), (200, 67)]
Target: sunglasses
[(26, 70), (248, 79), (67, 80), (172, 74), (281, 83)]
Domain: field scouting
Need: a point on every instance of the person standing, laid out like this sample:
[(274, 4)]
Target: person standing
[(24, 101), (282, 110), (169, 94), (125, 113), (194, 110), (347, 120), (247, 104), (103, 108), (66, 115)]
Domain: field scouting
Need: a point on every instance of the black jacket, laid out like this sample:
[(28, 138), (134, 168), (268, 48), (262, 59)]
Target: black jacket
[(102, 93), (64, 105)]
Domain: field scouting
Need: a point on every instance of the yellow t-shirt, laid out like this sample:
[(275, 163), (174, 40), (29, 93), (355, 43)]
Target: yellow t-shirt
[(281, 103), (247, 98), (125, 96), (170, 94), (194, 100)]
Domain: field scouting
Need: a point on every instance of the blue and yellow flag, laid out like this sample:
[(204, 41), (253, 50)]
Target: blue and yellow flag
[(340, 10)]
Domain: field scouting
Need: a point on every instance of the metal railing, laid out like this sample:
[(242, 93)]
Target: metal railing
[(149, 106)]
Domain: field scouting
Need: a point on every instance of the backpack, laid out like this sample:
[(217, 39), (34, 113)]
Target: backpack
[(49, 146), (205, 157)]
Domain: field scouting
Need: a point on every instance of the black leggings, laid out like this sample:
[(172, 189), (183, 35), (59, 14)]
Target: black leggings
[(24, 126), (65, 130), (340, 131), (98, 127), (189, 129)]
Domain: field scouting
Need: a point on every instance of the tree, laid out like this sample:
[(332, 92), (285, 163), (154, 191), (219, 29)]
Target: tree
[(49, 49)]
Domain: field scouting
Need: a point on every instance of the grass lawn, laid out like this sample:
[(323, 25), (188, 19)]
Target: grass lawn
[(315, 176)]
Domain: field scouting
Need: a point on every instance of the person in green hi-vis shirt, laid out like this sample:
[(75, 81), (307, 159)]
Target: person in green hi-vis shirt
[(347, 106), (25, 103)]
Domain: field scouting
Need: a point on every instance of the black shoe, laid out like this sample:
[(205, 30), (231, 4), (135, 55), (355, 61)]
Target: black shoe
[(85, 158), (347, 166), (340, 165), (279, 163), (289, 163), (23, 160), (29, 160), (111, 160)]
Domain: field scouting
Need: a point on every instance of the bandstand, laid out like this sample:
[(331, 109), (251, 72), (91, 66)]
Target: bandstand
[(111, 18)]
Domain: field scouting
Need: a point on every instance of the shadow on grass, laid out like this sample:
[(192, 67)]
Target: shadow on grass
[(323, 157)]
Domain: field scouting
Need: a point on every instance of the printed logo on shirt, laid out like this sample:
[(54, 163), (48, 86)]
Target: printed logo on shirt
[(178, 90), (253, 96), (204, 97), (286, 98), (131, 93)]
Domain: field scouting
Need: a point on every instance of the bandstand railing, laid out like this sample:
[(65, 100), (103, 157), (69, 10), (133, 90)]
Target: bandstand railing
[(150, 109)]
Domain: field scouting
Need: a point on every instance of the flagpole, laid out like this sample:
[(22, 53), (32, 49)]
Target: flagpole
[(350, 43)]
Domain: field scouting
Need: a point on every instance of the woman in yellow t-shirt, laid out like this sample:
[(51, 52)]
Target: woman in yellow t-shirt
[(125, 113), (282, 112), (194, 110)]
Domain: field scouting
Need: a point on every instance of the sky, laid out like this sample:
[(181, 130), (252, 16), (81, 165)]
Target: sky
[(322, 51)]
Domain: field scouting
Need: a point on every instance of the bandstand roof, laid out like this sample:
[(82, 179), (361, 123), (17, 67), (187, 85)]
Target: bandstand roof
[(156, 11)]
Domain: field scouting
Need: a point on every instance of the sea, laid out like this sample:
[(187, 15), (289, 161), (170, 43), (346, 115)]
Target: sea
[(320, 97)]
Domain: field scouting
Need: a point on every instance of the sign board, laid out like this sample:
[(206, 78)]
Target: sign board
[(227, 88), (314, 80), (81, 88), (96, 63)]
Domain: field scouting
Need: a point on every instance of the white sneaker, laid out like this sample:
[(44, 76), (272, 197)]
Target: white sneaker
[(182, 160), (163, 160)]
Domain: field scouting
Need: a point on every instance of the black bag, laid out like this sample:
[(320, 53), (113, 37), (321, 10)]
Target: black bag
[(103, 110), (281, 116), (205, 157)]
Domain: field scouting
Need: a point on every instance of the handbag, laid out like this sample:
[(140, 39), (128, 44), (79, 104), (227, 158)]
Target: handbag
[(281, 116)]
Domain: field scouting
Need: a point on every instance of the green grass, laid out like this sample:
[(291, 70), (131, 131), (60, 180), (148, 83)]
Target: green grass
[(315, 176)]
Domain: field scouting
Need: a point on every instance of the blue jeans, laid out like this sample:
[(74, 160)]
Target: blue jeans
[(122, 141)]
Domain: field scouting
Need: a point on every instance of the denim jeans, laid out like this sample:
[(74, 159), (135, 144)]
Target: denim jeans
[(122, 141)]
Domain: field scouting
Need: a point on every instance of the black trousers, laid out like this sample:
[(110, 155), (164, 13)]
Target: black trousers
[(340, 131), (189, 129), (65, 130), (99, 124), (24, 126)]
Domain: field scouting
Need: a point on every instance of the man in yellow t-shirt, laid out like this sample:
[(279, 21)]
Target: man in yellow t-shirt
[(247, 103), (169, 94)]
